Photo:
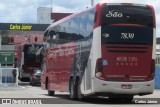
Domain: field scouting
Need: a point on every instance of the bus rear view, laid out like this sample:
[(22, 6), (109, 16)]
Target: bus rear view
[(127, 61)]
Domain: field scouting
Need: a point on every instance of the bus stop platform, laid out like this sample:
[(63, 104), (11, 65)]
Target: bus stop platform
[(9, 79)]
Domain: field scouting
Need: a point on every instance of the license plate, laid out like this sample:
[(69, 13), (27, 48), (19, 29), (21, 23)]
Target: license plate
[(126, 86)]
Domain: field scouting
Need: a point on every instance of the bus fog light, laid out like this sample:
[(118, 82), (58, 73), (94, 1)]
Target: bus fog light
[(98, 74)]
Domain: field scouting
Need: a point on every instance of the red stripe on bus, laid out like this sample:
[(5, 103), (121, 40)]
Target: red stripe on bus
[(127, 25), (98, 15)]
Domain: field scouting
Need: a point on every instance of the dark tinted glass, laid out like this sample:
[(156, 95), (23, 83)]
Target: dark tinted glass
[(134, 35), (30, 50), (123, 14), (75, 29)]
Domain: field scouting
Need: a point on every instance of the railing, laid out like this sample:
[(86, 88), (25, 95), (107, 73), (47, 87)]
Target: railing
[(9, 76)]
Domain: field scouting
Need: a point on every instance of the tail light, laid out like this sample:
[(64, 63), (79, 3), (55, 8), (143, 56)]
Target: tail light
[(152, 70), (99, 69)]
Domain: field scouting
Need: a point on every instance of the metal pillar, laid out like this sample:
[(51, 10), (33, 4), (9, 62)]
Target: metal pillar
[(92, 2)]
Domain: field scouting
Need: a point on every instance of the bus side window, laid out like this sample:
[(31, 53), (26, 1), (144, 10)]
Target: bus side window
[(66, 33), (83, 25), (90, 22), (51, 37), (75, 26), (64, 38)]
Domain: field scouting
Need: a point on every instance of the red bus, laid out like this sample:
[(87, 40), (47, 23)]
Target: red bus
[(106, 50), (27, 60)]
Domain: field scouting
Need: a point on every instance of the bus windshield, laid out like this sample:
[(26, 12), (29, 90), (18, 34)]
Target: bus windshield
[(122, 24), (30, 51)]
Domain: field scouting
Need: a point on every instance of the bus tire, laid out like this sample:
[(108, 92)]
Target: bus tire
[(72, 89), (50, 93), (78, 90), (46, 83)]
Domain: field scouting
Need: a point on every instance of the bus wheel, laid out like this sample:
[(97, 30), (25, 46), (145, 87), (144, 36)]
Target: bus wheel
[(78, 90), (72, 89), (50, 93)]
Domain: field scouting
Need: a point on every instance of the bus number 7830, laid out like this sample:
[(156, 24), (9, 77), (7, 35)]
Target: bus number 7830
[(127, 35)]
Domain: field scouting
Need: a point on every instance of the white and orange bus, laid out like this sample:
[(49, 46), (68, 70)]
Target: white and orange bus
[(106, 50)]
